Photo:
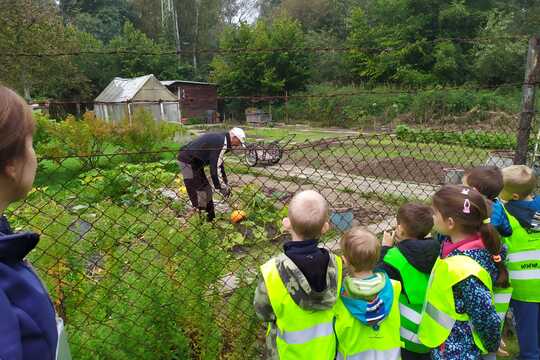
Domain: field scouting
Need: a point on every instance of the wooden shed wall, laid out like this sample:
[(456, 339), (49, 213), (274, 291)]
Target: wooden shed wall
[(196, 100)]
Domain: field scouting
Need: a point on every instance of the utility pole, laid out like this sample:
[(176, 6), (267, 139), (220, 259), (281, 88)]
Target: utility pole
[(528, 103)]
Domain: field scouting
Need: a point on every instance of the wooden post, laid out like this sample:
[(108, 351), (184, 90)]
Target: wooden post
[(161, 110), (528, 102), (129, 113)]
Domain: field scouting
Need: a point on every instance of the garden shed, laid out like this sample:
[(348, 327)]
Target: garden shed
[(123, 97), (197, 99)]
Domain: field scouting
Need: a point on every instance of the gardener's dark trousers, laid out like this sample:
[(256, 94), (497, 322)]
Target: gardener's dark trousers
[(198, 188)]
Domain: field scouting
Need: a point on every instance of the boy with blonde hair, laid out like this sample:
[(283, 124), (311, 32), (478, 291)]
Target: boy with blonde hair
[(299, 287), (523, 210), (367, 313)]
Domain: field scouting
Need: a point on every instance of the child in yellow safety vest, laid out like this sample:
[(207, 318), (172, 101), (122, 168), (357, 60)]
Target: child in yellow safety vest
[(367, 313), (488, 180), (459, 318), (299, 287), (523, 210), (410, 261)]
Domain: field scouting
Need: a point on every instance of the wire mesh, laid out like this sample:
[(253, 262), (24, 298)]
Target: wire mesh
[(137, 274)]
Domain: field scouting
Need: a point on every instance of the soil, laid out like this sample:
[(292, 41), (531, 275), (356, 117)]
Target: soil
[(397, 168), (401, 168)]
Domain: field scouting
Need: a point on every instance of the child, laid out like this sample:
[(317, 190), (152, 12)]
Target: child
[(410, 262), (299, 287), (524, 256), (367, 314), (488, 180), (29, 328), (459, 319)]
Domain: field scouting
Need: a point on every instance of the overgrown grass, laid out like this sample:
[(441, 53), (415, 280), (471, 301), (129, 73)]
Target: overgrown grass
[(357, 106)]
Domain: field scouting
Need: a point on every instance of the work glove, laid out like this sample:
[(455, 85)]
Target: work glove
[(225, 191)]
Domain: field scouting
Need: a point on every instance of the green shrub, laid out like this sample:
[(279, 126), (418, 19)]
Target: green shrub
[(472, 138), (324, 105), (84, 138), (143, 133), (135, 278), (195, 121)]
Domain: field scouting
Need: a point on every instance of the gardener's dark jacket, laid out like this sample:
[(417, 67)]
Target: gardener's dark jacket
[(208, 150), (27, 317)]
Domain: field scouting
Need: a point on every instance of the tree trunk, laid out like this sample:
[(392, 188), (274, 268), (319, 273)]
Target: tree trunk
[(196, 35)]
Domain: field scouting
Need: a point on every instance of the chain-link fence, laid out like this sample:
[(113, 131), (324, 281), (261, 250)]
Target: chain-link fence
[(137, 274)]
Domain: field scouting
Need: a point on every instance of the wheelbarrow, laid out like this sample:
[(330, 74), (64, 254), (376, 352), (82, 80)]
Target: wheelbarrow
[(267, 153)]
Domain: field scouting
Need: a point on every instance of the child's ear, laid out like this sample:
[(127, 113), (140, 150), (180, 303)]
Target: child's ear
[(399, 231), (10, 170), (344, 259), (515, 197), (450, 223), (287, 224), (325, 228)]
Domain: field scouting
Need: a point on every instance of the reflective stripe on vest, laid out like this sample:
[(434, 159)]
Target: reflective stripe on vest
[(391, 354), (440, 317), (303, 336), (412, 298), (502, 299), (301, 333), (524, 256), (523, 261), (439, 313), (409, 335), (524, 274), (409, 313)]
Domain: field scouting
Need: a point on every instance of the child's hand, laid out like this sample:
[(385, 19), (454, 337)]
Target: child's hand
[(388, 238)]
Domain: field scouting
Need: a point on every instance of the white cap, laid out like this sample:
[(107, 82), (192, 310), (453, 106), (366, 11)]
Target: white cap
[(239, 133)]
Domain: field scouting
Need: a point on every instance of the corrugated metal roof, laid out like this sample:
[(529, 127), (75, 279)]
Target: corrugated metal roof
[(120, 90), (171, 82)]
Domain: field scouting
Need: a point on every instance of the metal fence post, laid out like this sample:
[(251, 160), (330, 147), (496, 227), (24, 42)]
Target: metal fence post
[(528, 102)]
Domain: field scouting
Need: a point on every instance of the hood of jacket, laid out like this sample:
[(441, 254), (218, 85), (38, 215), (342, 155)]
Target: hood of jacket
[(421, 254), (373, 310), (28, 324), (303, 294)]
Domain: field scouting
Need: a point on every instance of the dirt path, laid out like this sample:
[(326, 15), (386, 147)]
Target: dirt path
[(346, 183)]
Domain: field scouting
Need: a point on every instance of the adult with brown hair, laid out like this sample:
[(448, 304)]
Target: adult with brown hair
[(459, 320), (29, 327)]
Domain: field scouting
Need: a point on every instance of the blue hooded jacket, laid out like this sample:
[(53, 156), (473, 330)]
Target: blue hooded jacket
[(374, 312), (27, 318)]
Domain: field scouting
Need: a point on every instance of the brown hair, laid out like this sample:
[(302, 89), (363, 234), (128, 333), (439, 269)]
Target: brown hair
[(416, 219), (16, 123), (361, 249), (519, 179), (308, 212), (488, 180), (451, 201)]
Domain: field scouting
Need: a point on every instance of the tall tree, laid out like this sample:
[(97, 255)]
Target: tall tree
[(36, 27), (261, 72), (414, 42)]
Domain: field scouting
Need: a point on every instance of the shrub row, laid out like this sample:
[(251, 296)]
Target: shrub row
[(473, 138), (383, 105)]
